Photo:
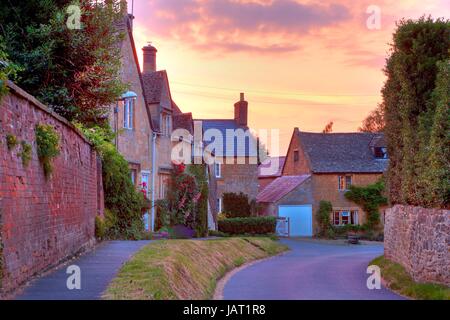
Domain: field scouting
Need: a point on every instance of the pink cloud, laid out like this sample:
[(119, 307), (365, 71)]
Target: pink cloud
[(228, 25)]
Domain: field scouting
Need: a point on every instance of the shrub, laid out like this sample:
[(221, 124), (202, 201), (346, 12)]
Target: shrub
[(252, 225), (236, 205), (123, 217), (11, 141), (323, 217), (25, 154), (201, 206), (47, 146)]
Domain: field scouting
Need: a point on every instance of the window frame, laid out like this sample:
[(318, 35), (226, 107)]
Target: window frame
[(352, 218), (218, 170), (343, 184), (128, 113)]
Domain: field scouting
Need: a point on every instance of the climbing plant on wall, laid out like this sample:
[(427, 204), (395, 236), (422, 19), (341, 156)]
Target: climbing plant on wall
[(370, 198)]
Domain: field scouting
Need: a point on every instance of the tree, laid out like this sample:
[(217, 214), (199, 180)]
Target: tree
[(74, 72), (328, 127), (374, 121), (414, 108)]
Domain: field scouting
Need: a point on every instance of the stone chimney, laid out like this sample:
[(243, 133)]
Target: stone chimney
[(149, 58), (241, 112)]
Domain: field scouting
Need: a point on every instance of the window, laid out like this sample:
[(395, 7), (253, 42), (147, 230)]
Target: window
[(133, 175), (128, 113), (348, 182), (166, 124), (296, 155), (218, 170), (344, 217), (219, 205), (380, 152), (344, 182), (163, 181)]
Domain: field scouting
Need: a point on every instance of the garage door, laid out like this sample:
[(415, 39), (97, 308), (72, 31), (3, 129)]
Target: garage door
[(300, 219)]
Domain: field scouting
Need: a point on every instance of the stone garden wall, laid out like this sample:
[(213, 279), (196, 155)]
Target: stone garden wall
[(419, 239), (43, 220)]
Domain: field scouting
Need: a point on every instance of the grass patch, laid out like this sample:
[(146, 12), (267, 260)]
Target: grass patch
[(185, 269), (400, 281)]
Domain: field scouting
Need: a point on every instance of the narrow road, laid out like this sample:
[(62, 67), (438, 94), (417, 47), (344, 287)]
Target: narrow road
[(98, 268), (310, 271)]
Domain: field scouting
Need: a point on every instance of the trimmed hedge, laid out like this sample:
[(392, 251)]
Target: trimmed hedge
[(252, 225)]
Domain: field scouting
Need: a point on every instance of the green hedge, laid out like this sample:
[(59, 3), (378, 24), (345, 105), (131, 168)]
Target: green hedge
[(253, 225)]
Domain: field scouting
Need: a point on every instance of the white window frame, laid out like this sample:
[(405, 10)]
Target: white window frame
[(220, 204), (128, 113), (218, 170), (352, 215), (342, 181)]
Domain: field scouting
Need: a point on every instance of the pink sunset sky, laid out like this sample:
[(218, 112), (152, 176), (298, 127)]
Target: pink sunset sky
[(300, 63)]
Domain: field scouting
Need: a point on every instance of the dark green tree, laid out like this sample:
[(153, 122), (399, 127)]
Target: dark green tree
[(410, 107), (74, 71)]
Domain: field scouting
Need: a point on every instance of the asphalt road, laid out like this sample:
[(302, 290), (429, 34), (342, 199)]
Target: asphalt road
[(310, 271), (97, 268)]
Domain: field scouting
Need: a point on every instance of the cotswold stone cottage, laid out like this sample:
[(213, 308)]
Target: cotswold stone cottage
[(322, 167), (235, 151), (130, 117)]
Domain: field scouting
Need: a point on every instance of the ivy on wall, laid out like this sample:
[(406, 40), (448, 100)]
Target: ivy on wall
[(370, 198)]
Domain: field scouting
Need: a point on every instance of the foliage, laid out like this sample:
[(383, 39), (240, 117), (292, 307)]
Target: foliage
[(25, 154), (328, 127), (11, 141), (374, 121), (75, 72), (47, 140), (123, 217), (201, 217), (8, 70), (415, 98), (183, 195), (236, 205), (185, 269), (162, 219), (400, 281), (252, 225), (370, 198), (323, 216)]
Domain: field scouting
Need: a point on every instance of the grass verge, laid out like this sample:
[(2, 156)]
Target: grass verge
[(400, 281), (185, 269)]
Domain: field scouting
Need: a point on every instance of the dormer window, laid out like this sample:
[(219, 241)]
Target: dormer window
[(380, 152)]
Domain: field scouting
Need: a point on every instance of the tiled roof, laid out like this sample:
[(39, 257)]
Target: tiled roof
[(153, 85), (264, 170), (183, 121), (280, 187), (240, 149), (342, 152)]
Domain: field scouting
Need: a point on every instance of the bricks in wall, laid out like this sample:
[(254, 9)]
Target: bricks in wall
[(43, 220)]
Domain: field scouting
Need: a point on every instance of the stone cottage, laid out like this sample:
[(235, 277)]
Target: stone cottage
[(130, 118), (322, 167), (235, 150)]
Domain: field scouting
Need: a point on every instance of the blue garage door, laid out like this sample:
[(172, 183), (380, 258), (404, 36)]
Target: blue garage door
[(300, 219)]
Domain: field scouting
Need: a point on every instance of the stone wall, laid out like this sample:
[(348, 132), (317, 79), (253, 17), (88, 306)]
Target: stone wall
[(419, 239), (43, 220)]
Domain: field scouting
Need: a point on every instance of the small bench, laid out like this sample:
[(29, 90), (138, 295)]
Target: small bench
[(353, 239)]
